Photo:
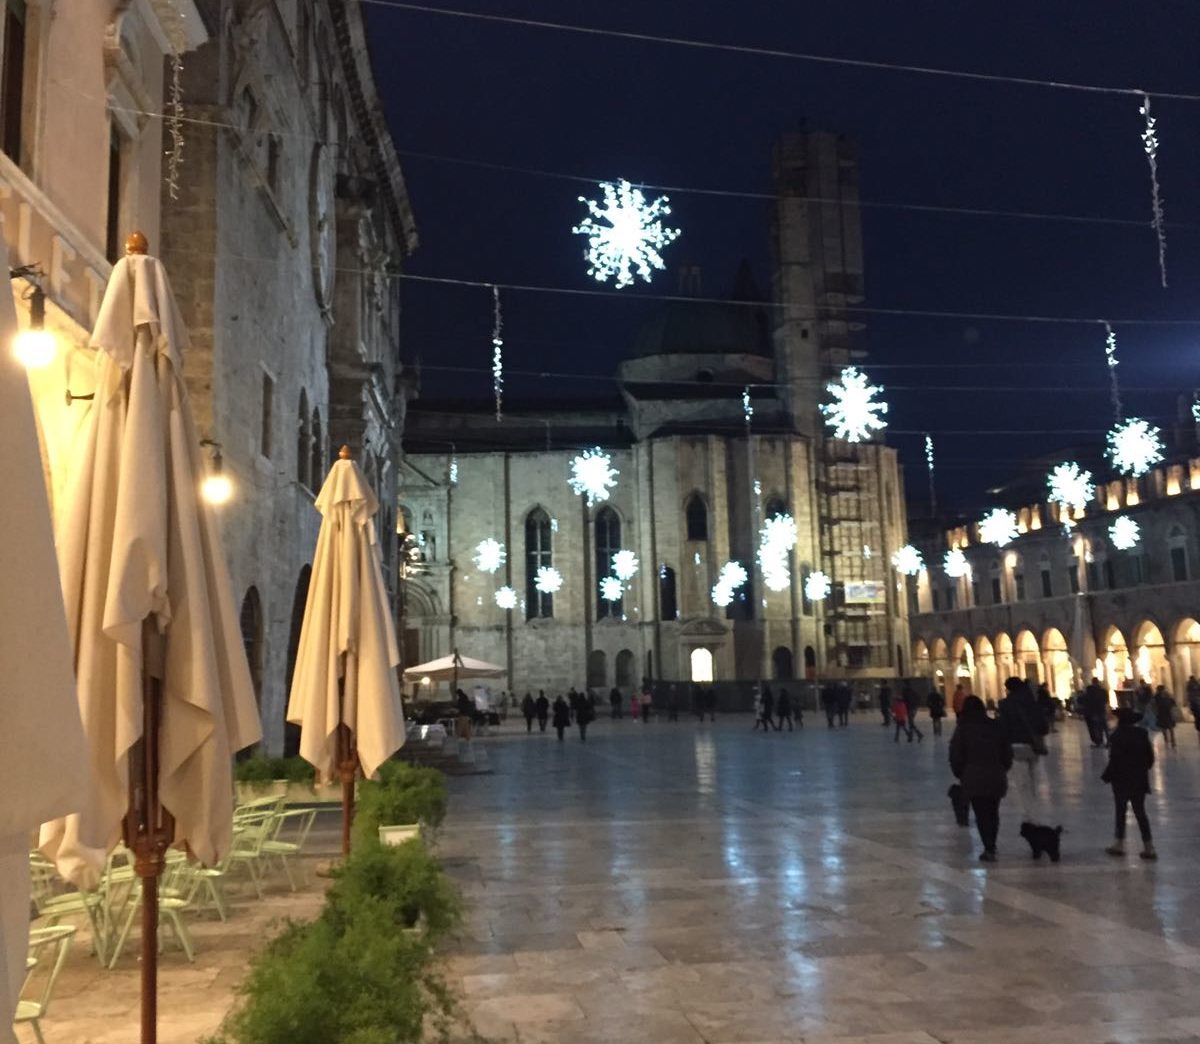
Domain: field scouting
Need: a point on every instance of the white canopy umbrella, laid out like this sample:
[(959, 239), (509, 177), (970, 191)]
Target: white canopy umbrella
[(43, 759), (345, 695), (158, 649), (454, 666)]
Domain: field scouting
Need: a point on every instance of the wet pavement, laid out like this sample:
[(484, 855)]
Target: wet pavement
[(683, 882)]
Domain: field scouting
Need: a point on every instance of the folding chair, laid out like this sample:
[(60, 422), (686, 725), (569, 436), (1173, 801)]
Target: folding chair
[(33, 1010), (273, 848), (173, 900), (249, 836)]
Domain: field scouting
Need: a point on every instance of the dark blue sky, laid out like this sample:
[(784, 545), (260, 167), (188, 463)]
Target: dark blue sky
[(665, 115)]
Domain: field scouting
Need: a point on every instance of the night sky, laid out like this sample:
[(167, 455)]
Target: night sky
[(665, 115)]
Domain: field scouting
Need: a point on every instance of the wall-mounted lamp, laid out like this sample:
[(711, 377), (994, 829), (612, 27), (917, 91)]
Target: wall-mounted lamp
[(34, 346), (216, 487)]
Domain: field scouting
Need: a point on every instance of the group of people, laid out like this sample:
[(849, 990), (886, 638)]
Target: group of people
[(578, 708), (772, 713), (988, 754)]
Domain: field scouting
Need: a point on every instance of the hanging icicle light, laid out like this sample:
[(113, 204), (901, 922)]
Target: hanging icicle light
[(547, 580), (490, 555), (1150, 143), (747, 406), (1070, 487), (497, 351), (856, 411), (453, 473), (506, 598), (611, 589), (817, 586), (998, 526), (592, 475), (1124, 533), (733, 575), (908, 560), (1110, 357), (1134, 446), (625, 234), (955, 563), (624, 564)]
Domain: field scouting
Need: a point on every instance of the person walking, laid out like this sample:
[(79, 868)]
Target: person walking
[(844, 697), (909, 695), (766, 709), (710, 703), (647, 705), (614, 703), (1164, 713), (1024, 726), (980, 757), (562, 716), (672, 703), (635, 706), (936, 703), (1193, 698), (583, 718), (885, 703), (784, 707), (829, 702), (900, 717), (543, 709), (1048, 705), (529, 710), (1130, 758), (1095, 712)]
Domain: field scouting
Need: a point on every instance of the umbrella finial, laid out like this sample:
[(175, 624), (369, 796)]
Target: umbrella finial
[(137, 243), (344, 453)]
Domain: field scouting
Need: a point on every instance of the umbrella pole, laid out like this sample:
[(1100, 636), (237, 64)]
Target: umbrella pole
[(347, 767)]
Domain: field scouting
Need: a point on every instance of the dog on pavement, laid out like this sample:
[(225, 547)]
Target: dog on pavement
[(1042, 839)]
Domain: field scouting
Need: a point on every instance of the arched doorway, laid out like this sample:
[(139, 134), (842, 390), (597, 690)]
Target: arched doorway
[(1186, 648), (1060, 674), (1029, 662), (985, 668), (810, 663), (941, 663), (702, 665), (597, 669), (1005, 666), (291, 733), (1115, 664), (963, 661), (1150, 656), (781, 663), (921, 662), (625, 663), (251, 619)]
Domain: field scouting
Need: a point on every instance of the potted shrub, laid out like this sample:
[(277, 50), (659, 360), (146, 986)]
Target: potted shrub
[(400, 802), (293, 779)]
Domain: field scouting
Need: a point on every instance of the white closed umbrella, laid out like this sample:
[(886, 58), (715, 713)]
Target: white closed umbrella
[(345, 695), (158, 650), (43, 761)]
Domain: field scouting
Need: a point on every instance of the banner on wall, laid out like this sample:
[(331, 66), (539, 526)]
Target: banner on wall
[(865, 592)]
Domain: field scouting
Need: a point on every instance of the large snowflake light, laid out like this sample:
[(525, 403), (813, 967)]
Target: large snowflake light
[(592, 475), (506, 598), (856, 411), (908, 560), (1134, 446), (998, 526), (1070, 486), (776, 540), (624, 564), (817, 586), (611, 589), (732, 576), (490, 555), (625, 233), (548, 580), (1124, 533), (955, 563)]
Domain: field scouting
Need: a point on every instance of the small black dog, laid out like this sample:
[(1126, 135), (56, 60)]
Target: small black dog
[(962, 806), (1042, 839)]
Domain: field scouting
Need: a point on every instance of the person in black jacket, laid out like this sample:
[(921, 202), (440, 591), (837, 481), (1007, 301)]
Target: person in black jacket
[(562, 716), (584, 714), (980, 757), (936, 703), (1095, 713), (766, 709), (784, 709), (543, 710), (529, 709), (1130, 758), (1025, 726)]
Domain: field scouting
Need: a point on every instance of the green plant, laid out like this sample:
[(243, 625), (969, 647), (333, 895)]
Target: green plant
[(259, 770), (403, 793)]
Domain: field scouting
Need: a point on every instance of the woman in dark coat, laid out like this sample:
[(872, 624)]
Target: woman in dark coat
[(1130, 758), (584, 713), (980, 757), (529, 709), (936, 703), (562, 716), (543, 710)]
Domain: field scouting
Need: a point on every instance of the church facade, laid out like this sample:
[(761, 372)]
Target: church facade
[(696, 481)]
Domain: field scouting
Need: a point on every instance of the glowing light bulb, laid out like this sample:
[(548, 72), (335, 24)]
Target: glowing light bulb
[(217, 489), (34, 349)]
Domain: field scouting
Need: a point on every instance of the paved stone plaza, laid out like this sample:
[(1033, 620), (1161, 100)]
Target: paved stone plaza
[(676, 882)]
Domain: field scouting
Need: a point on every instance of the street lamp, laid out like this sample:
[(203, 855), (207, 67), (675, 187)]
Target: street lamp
[(34, 346), (217, 487)]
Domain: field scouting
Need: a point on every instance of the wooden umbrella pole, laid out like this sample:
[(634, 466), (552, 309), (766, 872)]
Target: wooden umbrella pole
[(347, 767)]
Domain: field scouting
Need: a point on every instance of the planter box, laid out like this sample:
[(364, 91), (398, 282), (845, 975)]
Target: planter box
[(397, 835), (292, 793)]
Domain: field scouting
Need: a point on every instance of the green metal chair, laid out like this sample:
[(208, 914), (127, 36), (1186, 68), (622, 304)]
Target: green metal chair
[(31, 1010), (249, 835), (173, 901), (301, 820)]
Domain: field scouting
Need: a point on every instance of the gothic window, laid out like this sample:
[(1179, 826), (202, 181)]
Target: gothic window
[(267, 418), (696, 514), (997, 593), (539, 553), (12, 77), (625, 669), (303, 442), (668, 608), (252, 639), (1047, 584), (318, 450), (608, 543), (775, 508)]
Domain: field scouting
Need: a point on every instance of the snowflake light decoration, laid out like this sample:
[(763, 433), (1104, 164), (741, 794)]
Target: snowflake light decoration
[(855, 411), (1134, 446), (624, 564), (611, 589), (625, 233), (1070, 486), (548, 580), (955, 563), (817, 586), (1124, 533), (998, 526), (490, 555), (592, 475), (506, 598), (732, 576), (908, 560), (776, 540)]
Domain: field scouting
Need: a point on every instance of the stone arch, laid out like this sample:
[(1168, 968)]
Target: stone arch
[(1150, 662), (1116, 661), (607, 542), (922, 664), (701, 665), (597, 669), (1028, 661), (1056, 658), (781, 664), (1005, 662), (624, 668), (1185, 649), (251, 621), (810, 663), (939, 656), (695, 513), (539, 554), (985, 669), (962, 662)]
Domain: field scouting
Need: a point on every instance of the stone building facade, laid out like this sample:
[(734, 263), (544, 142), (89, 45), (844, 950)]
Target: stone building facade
[(1063, 602), (291, 224), (695, 485)]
